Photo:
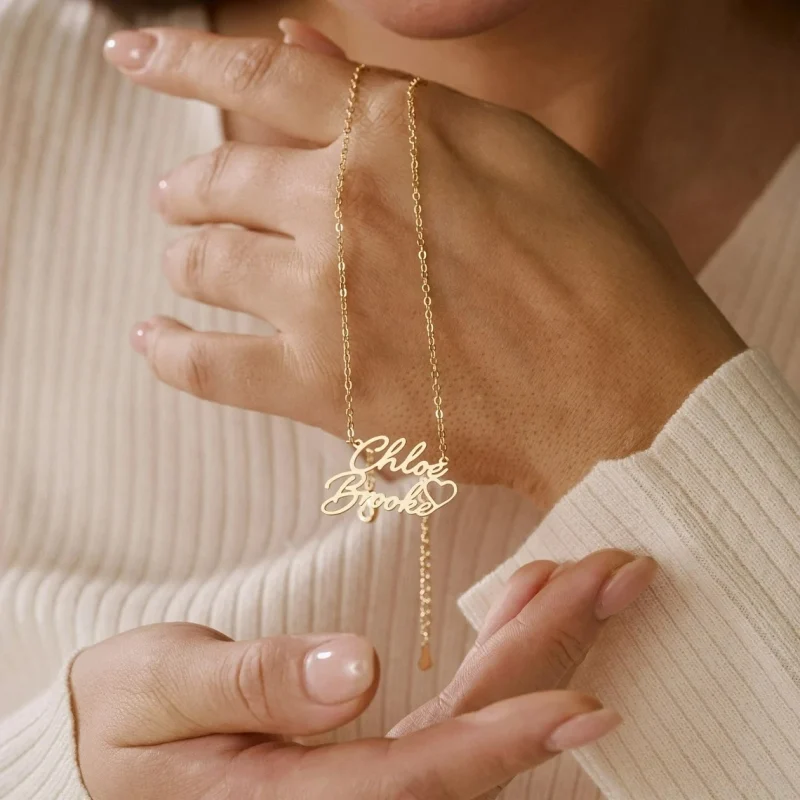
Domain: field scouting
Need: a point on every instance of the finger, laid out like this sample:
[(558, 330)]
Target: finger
[(171, 682), (553, 633), (251, 372), (262, 188), (300, 93), (458, 759), (521, 588), (472, 754), (545, 641), (238, 270), (303, 35)]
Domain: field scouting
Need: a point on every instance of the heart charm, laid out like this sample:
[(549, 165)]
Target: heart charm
[(443, 492)]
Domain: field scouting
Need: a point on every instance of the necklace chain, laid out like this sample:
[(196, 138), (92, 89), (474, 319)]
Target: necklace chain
[(423, 265), (348, 375), (425, 589), (425, 592)]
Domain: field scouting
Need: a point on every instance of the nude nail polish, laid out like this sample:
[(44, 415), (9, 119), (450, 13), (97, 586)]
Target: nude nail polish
[(341, 669), (582, 730), (624, 586), (138, 337), (130, 50)]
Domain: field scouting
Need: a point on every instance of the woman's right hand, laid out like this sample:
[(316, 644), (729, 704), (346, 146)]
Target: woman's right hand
[(180, 710)]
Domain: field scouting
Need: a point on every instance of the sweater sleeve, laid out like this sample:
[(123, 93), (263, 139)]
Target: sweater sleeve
[(705, 668), (37, 749)]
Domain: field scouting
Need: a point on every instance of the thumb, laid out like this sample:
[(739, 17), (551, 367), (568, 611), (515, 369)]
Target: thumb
[(178, 681), (303, 35)]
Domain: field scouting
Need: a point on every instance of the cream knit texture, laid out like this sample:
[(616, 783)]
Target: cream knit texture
[(124, 503), (705, 669)]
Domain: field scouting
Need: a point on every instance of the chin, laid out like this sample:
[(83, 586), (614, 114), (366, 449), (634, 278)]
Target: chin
[(437, 19)]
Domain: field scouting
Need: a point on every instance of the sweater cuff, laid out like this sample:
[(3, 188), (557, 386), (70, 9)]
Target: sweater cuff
[(38, 756), (704, 667)]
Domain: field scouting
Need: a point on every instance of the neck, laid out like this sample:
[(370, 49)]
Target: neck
[(670, 97)]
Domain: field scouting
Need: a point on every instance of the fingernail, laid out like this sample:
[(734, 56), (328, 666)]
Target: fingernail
[(288, 28), (582, 730), (342, 669), (624, 586), (158, 194), (309, 38), (130, 50), (139, 335)]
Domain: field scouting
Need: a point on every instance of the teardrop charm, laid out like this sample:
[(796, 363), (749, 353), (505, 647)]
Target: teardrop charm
[(425, 661)]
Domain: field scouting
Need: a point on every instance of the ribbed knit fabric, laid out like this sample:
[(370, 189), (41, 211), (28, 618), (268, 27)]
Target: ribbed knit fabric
[(123, 502), (706, 668)]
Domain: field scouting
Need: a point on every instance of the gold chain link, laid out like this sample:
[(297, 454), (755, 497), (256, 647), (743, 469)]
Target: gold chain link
[(425, 589), (348, 375), (423, 266)]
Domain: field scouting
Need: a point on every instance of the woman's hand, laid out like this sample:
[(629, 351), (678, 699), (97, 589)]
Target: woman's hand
[(180, 710), (568, 329)]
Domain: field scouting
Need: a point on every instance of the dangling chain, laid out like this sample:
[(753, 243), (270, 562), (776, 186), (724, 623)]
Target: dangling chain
[(425, 600), (356, 487)]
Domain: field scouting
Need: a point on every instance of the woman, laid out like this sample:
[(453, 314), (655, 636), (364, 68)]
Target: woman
[(701, 535)]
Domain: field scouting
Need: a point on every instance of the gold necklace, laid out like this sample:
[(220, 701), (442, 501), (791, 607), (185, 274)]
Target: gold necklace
[(355, 487)]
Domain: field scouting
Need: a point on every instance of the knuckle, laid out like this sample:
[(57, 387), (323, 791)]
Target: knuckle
[(258, 667), (318, 279), (371, 194), (565, 650), (445, 704), (197, 368), (318, 369), (180, 56), (387, 103), (213, 171), (187, 273), (249, 68), (167, 633)]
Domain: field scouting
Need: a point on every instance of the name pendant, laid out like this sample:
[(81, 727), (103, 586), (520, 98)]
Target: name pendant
[(355, 487)]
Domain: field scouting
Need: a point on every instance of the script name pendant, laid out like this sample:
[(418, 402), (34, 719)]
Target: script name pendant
[(354, 488)]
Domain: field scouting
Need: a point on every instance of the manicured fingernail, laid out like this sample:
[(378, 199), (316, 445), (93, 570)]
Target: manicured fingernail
[(158, 194), (342, 669), (624, 586), (288, 27), (309, 38), (139, 335), (582, 730), (130, 50)]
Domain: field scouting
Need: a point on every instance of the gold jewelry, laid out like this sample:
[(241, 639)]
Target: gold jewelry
[(355, 487)]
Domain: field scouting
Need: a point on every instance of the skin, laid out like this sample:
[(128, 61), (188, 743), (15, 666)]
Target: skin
[(630, 67), (589, 284), (181, 707), (685, 106)]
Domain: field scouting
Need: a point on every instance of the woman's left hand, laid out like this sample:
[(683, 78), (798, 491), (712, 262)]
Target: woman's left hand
[(568, 329)]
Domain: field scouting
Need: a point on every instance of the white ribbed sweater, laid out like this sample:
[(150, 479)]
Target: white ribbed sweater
[(124, 503)]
